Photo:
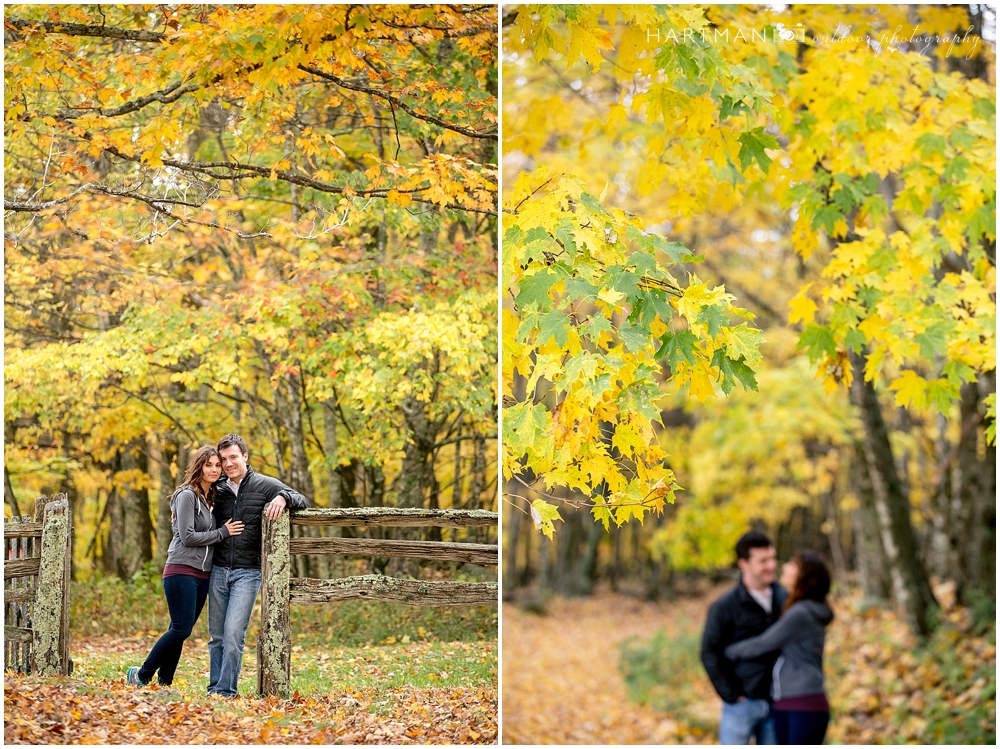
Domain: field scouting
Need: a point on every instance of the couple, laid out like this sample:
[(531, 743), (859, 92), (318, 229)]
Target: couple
[(763, 648), (215, 554)]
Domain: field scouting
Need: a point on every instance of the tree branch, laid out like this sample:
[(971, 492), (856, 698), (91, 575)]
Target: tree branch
[(79, 29), (395, 100)]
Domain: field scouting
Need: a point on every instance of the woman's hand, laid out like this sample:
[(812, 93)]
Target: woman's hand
[(235, 527)]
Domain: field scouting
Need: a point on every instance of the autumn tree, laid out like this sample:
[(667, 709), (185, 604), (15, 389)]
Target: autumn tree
[(213, 214), (871, 158)]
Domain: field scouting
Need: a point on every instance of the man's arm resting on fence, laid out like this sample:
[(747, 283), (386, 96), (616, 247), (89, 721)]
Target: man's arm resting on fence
[(284, 496)]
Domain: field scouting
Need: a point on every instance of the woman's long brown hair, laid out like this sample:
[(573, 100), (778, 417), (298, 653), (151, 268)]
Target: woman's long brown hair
[(192, 478), (813, 581)]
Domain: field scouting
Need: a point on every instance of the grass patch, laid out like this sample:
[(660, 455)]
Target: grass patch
[(107, 605), (316, 670), (335, 647), (663, 672)]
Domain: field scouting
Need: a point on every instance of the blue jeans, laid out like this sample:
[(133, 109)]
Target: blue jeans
[(231, 596), (185, 600), (801, 728), (746, 718)]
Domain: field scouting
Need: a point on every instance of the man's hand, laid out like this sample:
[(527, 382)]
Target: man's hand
[(274, 508)]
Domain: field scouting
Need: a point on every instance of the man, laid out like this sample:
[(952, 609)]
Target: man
[(245, 496), (745, 611)]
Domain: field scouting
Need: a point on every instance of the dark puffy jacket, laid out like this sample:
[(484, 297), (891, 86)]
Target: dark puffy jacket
[(243, 551), (737, 616)]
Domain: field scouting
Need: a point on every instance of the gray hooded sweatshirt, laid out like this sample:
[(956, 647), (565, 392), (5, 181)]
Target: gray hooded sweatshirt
[(193, 531), (799, 634)]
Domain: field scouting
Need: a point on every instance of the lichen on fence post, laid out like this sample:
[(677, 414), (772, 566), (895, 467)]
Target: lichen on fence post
[(274, 643), (49, 590)]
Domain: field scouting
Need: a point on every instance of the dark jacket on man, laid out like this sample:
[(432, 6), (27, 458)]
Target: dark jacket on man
[(733, 617), (243, 551)]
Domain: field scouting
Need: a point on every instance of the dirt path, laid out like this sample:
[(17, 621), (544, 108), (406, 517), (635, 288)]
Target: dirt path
[(561, 683)]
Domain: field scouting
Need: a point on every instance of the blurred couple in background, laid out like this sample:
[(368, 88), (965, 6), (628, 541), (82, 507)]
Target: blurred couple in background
[(763, 647)]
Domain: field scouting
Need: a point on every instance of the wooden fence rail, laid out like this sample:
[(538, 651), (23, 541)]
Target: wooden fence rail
[(279, 589), (36, 573)]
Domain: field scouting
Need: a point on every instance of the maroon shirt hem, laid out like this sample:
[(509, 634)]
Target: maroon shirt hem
[(805, 703), (171, 570)]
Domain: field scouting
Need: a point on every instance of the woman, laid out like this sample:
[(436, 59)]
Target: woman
[(800, 709), (189, 564)]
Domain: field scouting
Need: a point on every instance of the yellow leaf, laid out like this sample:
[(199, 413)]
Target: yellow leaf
[(589, 42), (911, 389), (399, 198), (803, 308)]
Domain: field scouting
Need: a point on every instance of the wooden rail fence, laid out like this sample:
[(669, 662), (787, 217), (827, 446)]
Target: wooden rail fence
[(36, 577), (279, 589)]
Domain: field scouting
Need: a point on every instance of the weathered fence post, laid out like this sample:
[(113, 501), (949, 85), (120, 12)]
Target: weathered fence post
[(47, 620), (274, 643)]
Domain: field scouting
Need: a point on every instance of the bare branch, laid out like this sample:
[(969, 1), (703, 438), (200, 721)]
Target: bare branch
[(396, 101), (79, 29)]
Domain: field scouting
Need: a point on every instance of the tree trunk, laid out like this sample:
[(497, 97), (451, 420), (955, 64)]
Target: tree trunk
[(8, 493), (910, 584), (168, 482), (870, 556), (414, 476), (512, 530), (130, 540), (973, 520), (833, 534), (333, 479)]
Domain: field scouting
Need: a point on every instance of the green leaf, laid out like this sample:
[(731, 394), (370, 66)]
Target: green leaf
[(930, 143), (564, 233), (520, 425), (578, 289), (635, 337), (553, 324), (826, 218), (596, 325), (745, 341), (644, 262), (855, 340), (513, 236), (934, 340), (958, 373), (941, 394), (593, 203), (716, 318), (984, 108), (641, 238), (817, 340), (621, 279), (601, 513), (534, 289), (677, 346), (752, 145), (674, 250), (728, 106), (734, 370)]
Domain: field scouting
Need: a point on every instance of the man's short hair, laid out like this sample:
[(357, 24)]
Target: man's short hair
[(232, 439), (749, 540)]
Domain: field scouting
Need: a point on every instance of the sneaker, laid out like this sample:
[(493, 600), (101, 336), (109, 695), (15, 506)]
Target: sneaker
[(132, 677)]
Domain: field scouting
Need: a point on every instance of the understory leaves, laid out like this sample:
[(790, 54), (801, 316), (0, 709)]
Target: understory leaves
[(596, 323)]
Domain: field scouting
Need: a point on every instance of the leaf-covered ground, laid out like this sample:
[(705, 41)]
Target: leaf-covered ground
[(561, 683), (387, 694), (563, 679)]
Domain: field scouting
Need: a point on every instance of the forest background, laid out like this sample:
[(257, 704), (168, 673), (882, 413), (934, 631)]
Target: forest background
[(749, 265), (273, 220)]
